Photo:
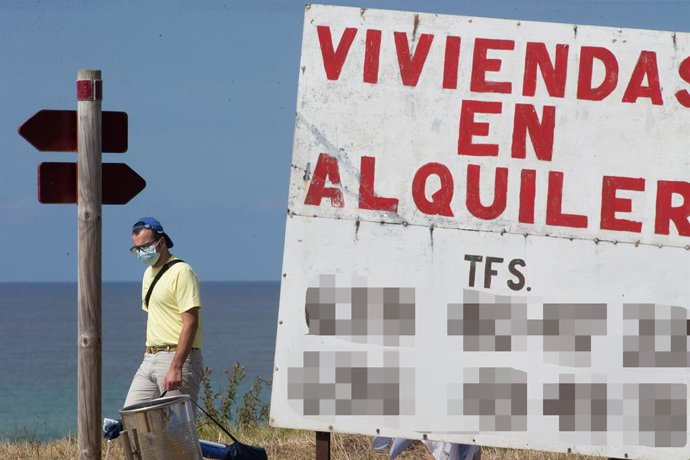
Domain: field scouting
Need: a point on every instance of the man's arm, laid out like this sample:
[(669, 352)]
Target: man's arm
[(190, 324)]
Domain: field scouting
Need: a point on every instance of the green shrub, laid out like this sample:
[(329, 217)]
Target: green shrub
[(222, 404)]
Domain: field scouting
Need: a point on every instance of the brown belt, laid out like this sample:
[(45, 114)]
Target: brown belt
[(153, 349)]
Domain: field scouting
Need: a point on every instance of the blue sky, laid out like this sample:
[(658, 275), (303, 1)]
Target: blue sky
[(210, 90)]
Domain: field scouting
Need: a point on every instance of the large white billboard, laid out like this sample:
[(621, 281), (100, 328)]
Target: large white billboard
[(488, 235)]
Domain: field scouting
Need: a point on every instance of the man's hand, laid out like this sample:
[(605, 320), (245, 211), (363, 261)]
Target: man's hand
[(173, 378)]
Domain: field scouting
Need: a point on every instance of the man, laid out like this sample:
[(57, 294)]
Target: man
[(172, 360)]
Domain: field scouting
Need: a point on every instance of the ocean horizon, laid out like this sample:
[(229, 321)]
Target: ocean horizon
[(38, 329)]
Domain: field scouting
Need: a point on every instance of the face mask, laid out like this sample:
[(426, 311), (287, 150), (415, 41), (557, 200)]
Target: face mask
[(148, 255)]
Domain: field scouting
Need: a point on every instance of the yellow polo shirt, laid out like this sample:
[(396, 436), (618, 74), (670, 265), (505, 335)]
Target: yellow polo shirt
[(175, 292)]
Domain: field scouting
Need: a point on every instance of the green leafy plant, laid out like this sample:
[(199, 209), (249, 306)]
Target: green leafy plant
[(253, 412), (234, 378), (222, 405), (208, 397)]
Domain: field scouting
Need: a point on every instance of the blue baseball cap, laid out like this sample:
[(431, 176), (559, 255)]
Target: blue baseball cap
[(151, 223)]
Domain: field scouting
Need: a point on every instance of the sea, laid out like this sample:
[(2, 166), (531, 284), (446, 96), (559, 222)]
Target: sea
[(38, 343)]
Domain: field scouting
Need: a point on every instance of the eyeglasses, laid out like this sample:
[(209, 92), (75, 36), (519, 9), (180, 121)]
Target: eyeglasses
[(151, 245)]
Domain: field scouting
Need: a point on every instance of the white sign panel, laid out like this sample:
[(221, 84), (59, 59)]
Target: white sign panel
[(488, 234)]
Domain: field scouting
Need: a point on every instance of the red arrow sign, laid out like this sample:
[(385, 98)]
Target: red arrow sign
[(57, 183), (56, 131)]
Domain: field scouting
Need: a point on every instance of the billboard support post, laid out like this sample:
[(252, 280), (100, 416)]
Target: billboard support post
[(323, 445)]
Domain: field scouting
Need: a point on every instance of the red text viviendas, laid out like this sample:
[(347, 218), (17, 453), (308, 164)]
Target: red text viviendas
[(540, 62)]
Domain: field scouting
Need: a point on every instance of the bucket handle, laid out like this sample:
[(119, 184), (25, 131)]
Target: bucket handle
[(209, 416)]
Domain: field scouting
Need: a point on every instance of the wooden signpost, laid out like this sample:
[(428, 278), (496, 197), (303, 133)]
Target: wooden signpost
[(89, 136), (89, 131)]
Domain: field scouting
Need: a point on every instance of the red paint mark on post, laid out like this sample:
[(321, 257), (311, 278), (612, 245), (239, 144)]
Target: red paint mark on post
[(84, 90)]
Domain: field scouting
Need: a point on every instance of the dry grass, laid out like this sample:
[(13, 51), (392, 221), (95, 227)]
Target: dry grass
[(60, 449), (279, 444)]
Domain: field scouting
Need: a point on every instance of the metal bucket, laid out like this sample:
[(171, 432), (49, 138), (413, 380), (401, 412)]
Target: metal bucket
[(161, 429)]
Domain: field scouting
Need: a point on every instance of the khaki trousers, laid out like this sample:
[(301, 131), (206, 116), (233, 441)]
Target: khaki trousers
[(148, 381)]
